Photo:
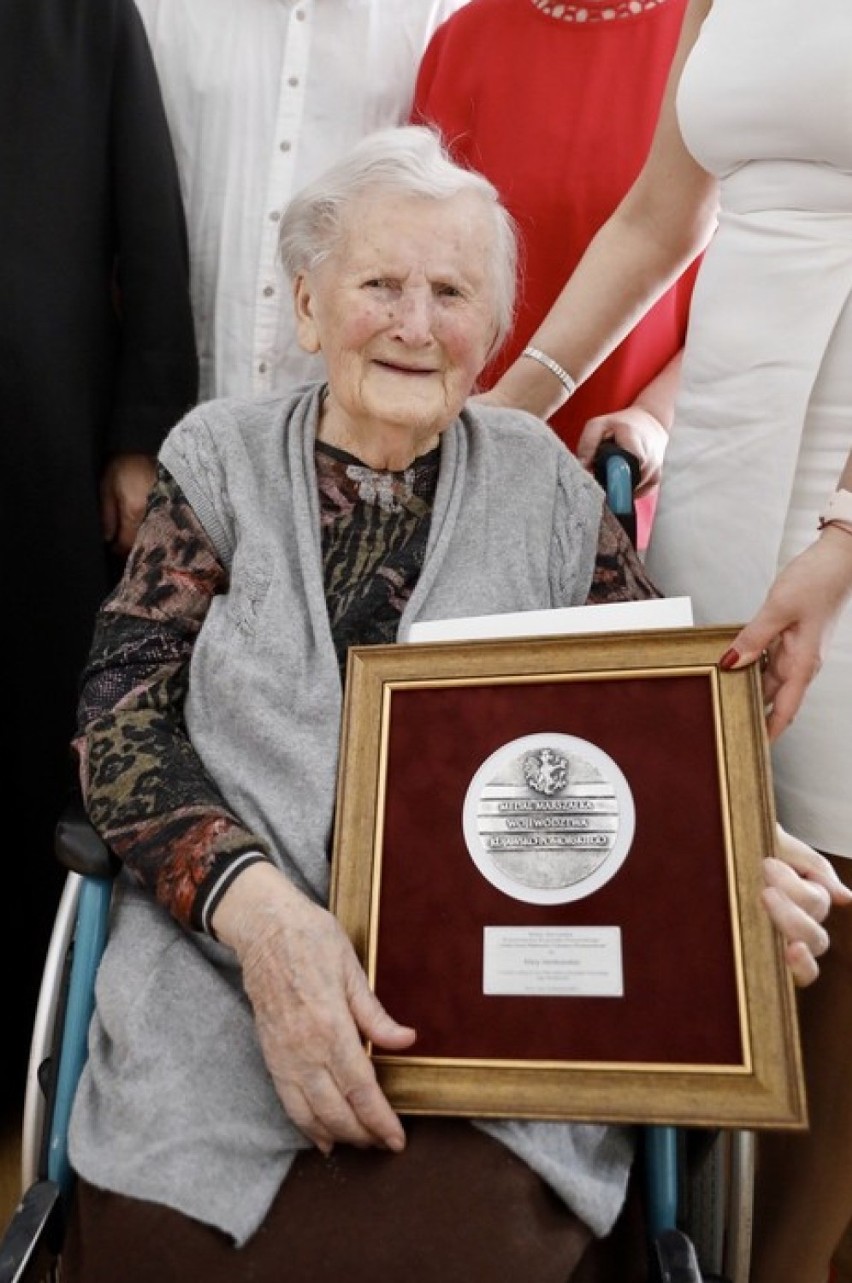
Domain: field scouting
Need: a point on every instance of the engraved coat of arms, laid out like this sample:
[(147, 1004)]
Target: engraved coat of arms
[(546, 771)]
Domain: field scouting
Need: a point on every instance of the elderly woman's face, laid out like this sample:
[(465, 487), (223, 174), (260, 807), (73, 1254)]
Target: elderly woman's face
[(403, 310)]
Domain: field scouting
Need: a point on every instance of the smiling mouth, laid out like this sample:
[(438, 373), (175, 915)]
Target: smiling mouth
[(405, 369)]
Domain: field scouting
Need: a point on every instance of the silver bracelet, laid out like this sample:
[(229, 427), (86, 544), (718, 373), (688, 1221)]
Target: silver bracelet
[(563, 376)]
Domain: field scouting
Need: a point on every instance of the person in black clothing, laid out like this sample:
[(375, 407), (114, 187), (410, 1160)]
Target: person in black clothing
[(97, 360)]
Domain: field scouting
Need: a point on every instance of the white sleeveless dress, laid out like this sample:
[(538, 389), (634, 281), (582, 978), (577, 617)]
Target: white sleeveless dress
[(763, 423)]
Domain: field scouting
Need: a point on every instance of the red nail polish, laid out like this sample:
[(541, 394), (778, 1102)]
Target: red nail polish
[(730, 659)]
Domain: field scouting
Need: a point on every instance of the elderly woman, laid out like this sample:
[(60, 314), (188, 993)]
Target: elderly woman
[(229, 1124)]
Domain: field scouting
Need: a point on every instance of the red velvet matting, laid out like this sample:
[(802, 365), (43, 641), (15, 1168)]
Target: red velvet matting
[(670, 897)]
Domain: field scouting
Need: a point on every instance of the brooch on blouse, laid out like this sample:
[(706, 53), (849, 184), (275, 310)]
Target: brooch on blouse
[(390, 491)]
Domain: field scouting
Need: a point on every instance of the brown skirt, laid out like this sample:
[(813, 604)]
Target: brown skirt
[(455, 1207)]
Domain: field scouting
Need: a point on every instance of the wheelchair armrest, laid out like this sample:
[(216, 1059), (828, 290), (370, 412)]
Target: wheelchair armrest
[(33, 1237), (79, 847)]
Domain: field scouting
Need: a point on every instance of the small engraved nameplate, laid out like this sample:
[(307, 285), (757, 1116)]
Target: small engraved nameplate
[(566, 962)]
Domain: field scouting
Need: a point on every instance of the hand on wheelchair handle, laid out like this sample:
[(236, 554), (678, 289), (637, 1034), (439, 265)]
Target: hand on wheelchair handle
[(637, 433)]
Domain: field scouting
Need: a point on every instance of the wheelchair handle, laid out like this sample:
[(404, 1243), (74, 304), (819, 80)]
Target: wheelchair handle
[(617, 471)]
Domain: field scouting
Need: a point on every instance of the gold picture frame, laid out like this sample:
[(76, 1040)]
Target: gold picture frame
[(672, 1003)]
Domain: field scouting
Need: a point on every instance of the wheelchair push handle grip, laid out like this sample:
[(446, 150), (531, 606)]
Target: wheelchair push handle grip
[(617, 471)]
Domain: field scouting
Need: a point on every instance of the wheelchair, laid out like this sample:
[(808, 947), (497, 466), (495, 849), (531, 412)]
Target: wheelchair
[(696, 1185)]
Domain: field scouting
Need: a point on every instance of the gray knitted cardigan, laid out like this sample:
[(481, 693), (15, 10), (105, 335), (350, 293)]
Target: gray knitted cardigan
[(175, 1104)]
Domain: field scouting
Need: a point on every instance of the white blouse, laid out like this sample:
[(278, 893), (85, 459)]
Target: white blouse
[(261, 96)]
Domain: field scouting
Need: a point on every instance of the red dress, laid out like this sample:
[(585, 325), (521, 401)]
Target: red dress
[(559, 114)]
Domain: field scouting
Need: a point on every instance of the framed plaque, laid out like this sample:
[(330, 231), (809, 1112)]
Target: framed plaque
[(548, 855)]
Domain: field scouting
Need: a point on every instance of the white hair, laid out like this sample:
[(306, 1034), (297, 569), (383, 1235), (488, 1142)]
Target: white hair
[(412, 160)]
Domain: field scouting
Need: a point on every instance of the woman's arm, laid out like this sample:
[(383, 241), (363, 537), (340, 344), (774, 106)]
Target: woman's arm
[(796, 621), (157, 808), (663, 223), (143, 784)]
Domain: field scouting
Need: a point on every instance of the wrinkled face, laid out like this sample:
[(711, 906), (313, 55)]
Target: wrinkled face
[(402, 310)]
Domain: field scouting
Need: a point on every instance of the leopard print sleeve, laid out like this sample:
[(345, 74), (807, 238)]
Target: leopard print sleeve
[(619, 574), (145, 789)]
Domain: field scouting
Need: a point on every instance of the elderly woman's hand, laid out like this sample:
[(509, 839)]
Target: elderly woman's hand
[(801, 888), (312, 1006)]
